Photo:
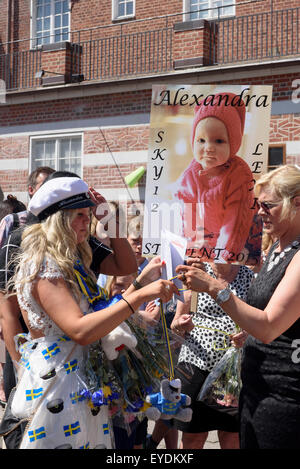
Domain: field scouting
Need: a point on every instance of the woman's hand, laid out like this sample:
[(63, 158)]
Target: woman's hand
[(151, 314), (238, 340), (101, 210), (182, 324), (195, 278), (151, 272), (163, 289)]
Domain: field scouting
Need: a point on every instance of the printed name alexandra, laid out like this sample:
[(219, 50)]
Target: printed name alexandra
[(184, 99)]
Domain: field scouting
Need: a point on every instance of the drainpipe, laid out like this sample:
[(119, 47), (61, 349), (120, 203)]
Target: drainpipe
[(8, 29)]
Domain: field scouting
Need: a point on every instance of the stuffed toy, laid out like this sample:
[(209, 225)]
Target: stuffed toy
[(119, 337), (169, 403)]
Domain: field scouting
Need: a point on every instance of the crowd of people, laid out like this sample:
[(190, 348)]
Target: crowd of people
[(66, 283)]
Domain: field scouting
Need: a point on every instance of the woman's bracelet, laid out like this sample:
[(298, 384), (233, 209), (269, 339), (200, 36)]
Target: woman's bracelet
[(133, 312), (137, 285)]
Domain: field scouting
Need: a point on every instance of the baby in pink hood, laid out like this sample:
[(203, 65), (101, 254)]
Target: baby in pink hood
[(216, 190)]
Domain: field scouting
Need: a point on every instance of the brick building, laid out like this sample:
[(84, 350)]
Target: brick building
[(76, 78)]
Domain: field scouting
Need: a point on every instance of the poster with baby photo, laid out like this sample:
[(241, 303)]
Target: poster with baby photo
[(208, 146)]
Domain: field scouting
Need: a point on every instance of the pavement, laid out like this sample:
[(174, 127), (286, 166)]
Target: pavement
[(211, 443)]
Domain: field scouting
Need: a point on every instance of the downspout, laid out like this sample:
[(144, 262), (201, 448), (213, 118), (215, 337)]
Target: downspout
[(8, 29)]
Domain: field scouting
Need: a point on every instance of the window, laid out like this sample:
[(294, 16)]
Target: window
[(62, 153), (122, 9), (206, 9), (50, 21), (276, 156)]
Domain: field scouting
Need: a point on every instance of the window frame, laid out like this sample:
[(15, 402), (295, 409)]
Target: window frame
[(187, 11), (114, 9), (56, 136), (276, 145), (33, 40)]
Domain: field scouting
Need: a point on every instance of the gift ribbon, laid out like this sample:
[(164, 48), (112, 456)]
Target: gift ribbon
[(226, 347), (167, 339), (96, 296), (89, 288)]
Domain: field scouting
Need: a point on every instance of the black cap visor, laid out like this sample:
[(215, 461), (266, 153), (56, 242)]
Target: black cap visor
[(73, 202)]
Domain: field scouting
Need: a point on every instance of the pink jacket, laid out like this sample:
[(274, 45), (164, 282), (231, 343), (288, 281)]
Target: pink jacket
[(226, 213)]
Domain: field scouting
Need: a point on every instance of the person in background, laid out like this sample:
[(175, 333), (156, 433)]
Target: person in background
[(11, 205), (135, 239), (202, 350), (35, 179), (8, 206), (111, 226)]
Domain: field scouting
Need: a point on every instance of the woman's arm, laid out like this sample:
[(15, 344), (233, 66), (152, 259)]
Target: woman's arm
[(182, 321), (56, 300), (281, 312), (122, 261)]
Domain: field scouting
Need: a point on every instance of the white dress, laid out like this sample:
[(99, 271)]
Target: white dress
[(49, 391)]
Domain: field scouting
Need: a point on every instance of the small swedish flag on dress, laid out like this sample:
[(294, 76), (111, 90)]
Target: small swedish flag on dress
[(64, 338), (33, 393), (51, 351), (105, 428), (72, 429), (76, 397), (71, 366), (37, 434), (86, 446), (25, 363)]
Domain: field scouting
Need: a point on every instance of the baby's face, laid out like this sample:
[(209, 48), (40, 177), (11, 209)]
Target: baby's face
[(211, 143)]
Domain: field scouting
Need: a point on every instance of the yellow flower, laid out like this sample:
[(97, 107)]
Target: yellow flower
[(106, 391)]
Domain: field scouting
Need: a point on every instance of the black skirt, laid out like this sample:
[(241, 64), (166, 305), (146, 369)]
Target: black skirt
[(205, 418)]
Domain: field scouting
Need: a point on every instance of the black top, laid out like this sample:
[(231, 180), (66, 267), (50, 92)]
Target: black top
[(270, 368)]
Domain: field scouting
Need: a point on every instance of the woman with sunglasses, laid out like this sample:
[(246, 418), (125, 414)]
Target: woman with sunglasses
[(270, 397)]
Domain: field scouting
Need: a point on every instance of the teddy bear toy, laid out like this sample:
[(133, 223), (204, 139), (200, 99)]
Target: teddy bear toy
[(119, 337), (169, 403)]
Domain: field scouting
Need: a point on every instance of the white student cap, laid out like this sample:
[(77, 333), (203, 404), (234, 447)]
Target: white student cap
[(59, 194)]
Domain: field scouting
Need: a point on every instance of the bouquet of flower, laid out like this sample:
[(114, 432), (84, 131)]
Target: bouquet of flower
[(223, 384)]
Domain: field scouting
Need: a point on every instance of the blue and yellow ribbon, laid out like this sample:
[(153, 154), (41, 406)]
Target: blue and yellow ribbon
[(167, 339), (95, 295)]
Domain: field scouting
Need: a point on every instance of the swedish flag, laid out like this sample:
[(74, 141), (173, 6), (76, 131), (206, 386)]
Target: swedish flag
[(64, 338), (25, 363), (105, 428), (37, 434), (86, 446), (33, 393), (71, 366), (72, 429), (50, 351), (76, 397)]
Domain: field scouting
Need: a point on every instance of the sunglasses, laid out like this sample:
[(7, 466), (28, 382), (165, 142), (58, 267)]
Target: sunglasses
[(267, 206)]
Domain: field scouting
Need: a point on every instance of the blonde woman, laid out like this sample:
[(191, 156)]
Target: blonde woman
[(270, 397), (57, 294)]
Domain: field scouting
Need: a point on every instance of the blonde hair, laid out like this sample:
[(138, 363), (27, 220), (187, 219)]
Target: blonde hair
[(284, 183), (135, 227), (93, 226), (55, 238)]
